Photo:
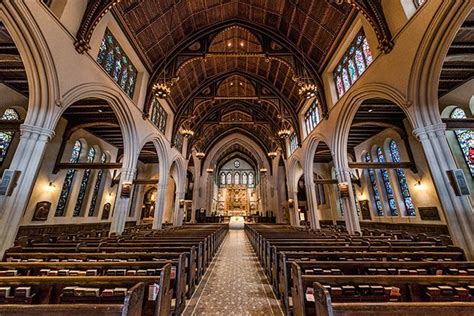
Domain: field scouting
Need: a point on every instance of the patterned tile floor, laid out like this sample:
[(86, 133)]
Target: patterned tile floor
[(235, 283)]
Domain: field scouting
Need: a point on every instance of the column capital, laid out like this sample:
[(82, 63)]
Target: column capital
[(430, 131), (344, 174), (127, 173), (27, 130)]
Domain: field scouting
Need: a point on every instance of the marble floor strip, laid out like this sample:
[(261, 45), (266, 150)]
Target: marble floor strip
[(235, 283)]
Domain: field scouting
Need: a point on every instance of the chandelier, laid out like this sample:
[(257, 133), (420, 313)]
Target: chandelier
[(200, 155), (284, 133), (187, 132), (308, 90), (272, 154), (161, 90)]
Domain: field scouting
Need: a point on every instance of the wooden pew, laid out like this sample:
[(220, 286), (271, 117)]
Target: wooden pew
[(283, 289), (411, 289), (48, 296), (190, 263), (178, 273)]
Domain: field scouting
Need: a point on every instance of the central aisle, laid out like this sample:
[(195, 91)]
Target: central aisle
[(234, 284)]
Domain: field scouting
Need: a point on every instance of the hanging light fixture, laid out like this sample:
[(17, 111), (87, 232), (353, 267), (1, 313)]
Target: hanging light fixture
[(308, 90), (187, 132), (272, 154), (284, 133), (161, 90)]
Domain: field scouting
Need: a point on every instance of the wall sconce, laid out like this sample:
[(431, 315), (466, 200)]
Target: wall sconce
[(126, 190), (291, 202), (343, 189), (51, 187), (181, 203), (263, 170), (209, 170)]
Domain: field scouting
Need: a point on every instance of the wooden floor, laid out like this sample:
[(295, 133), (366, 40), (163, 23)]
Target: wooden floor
[(235, 283)]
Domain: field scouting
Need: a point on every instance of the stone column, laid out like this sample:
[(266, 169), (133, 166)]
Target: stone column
[(294, 216), (348, 203), (27, 159), (160, 205), (457, 209), (178, 209), (313, 213), (122, 203)]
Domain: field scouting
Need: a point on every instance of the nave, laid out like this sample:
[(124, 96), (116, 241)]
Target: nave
[(135, 135), (235, 283)]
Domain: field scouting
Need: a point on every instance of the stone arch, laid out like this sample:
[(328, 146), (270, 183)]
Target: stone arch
[(349, 109), (312, 145), (119, 106), (422, 89), (43, 83)]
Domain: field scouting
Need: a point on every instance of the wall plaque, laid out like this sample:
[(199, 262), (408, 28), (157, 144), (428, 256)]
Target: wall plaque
[(429, 213), (458, 181), (343, 189), (42, 211)]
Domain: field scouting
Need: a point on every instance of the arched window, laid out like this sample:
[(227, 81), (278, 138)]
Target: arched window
[(373, 184), (229, 178), (116, 63), (244, 178), (7, 137), (251, 180), (354, 62), (465, 139), (84, 184), (67, 185), (158, 115), (312, 117), (223, 178), (402, 180), (388, 186), (236, 178), (98, 184)]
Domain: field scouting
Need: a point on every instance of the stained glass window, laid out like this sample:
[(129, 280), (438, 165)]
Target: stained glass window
[(375, 190), (7, 137), (229, 178), (68, 181), (84, 184), (465, 139), (98, 184), (293, 143), (312, 117), (402, 181), (236, 178), (244, 178), (251, 180), (354, 62), (388, 186), (114, 61), (158, 115), (356, 200), (222, 178)]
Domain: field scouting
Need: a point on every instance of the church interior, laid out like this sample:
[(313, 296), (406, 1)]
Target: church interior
[(237, 157)]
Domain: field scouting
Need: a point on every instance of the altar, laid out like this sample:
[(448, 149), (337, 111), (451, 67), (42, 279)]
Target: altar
[(237, 201), (236, 222)]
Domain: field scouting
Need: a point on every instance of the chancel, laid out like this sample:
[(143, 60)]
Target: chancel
[(237, 157)]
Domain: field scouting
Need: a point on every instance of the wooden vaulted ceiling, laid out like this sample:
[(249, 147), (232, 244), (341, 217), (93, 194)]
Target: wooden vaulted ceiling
[(12, 71), (161, 26), (216, 51), (458, 66)]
